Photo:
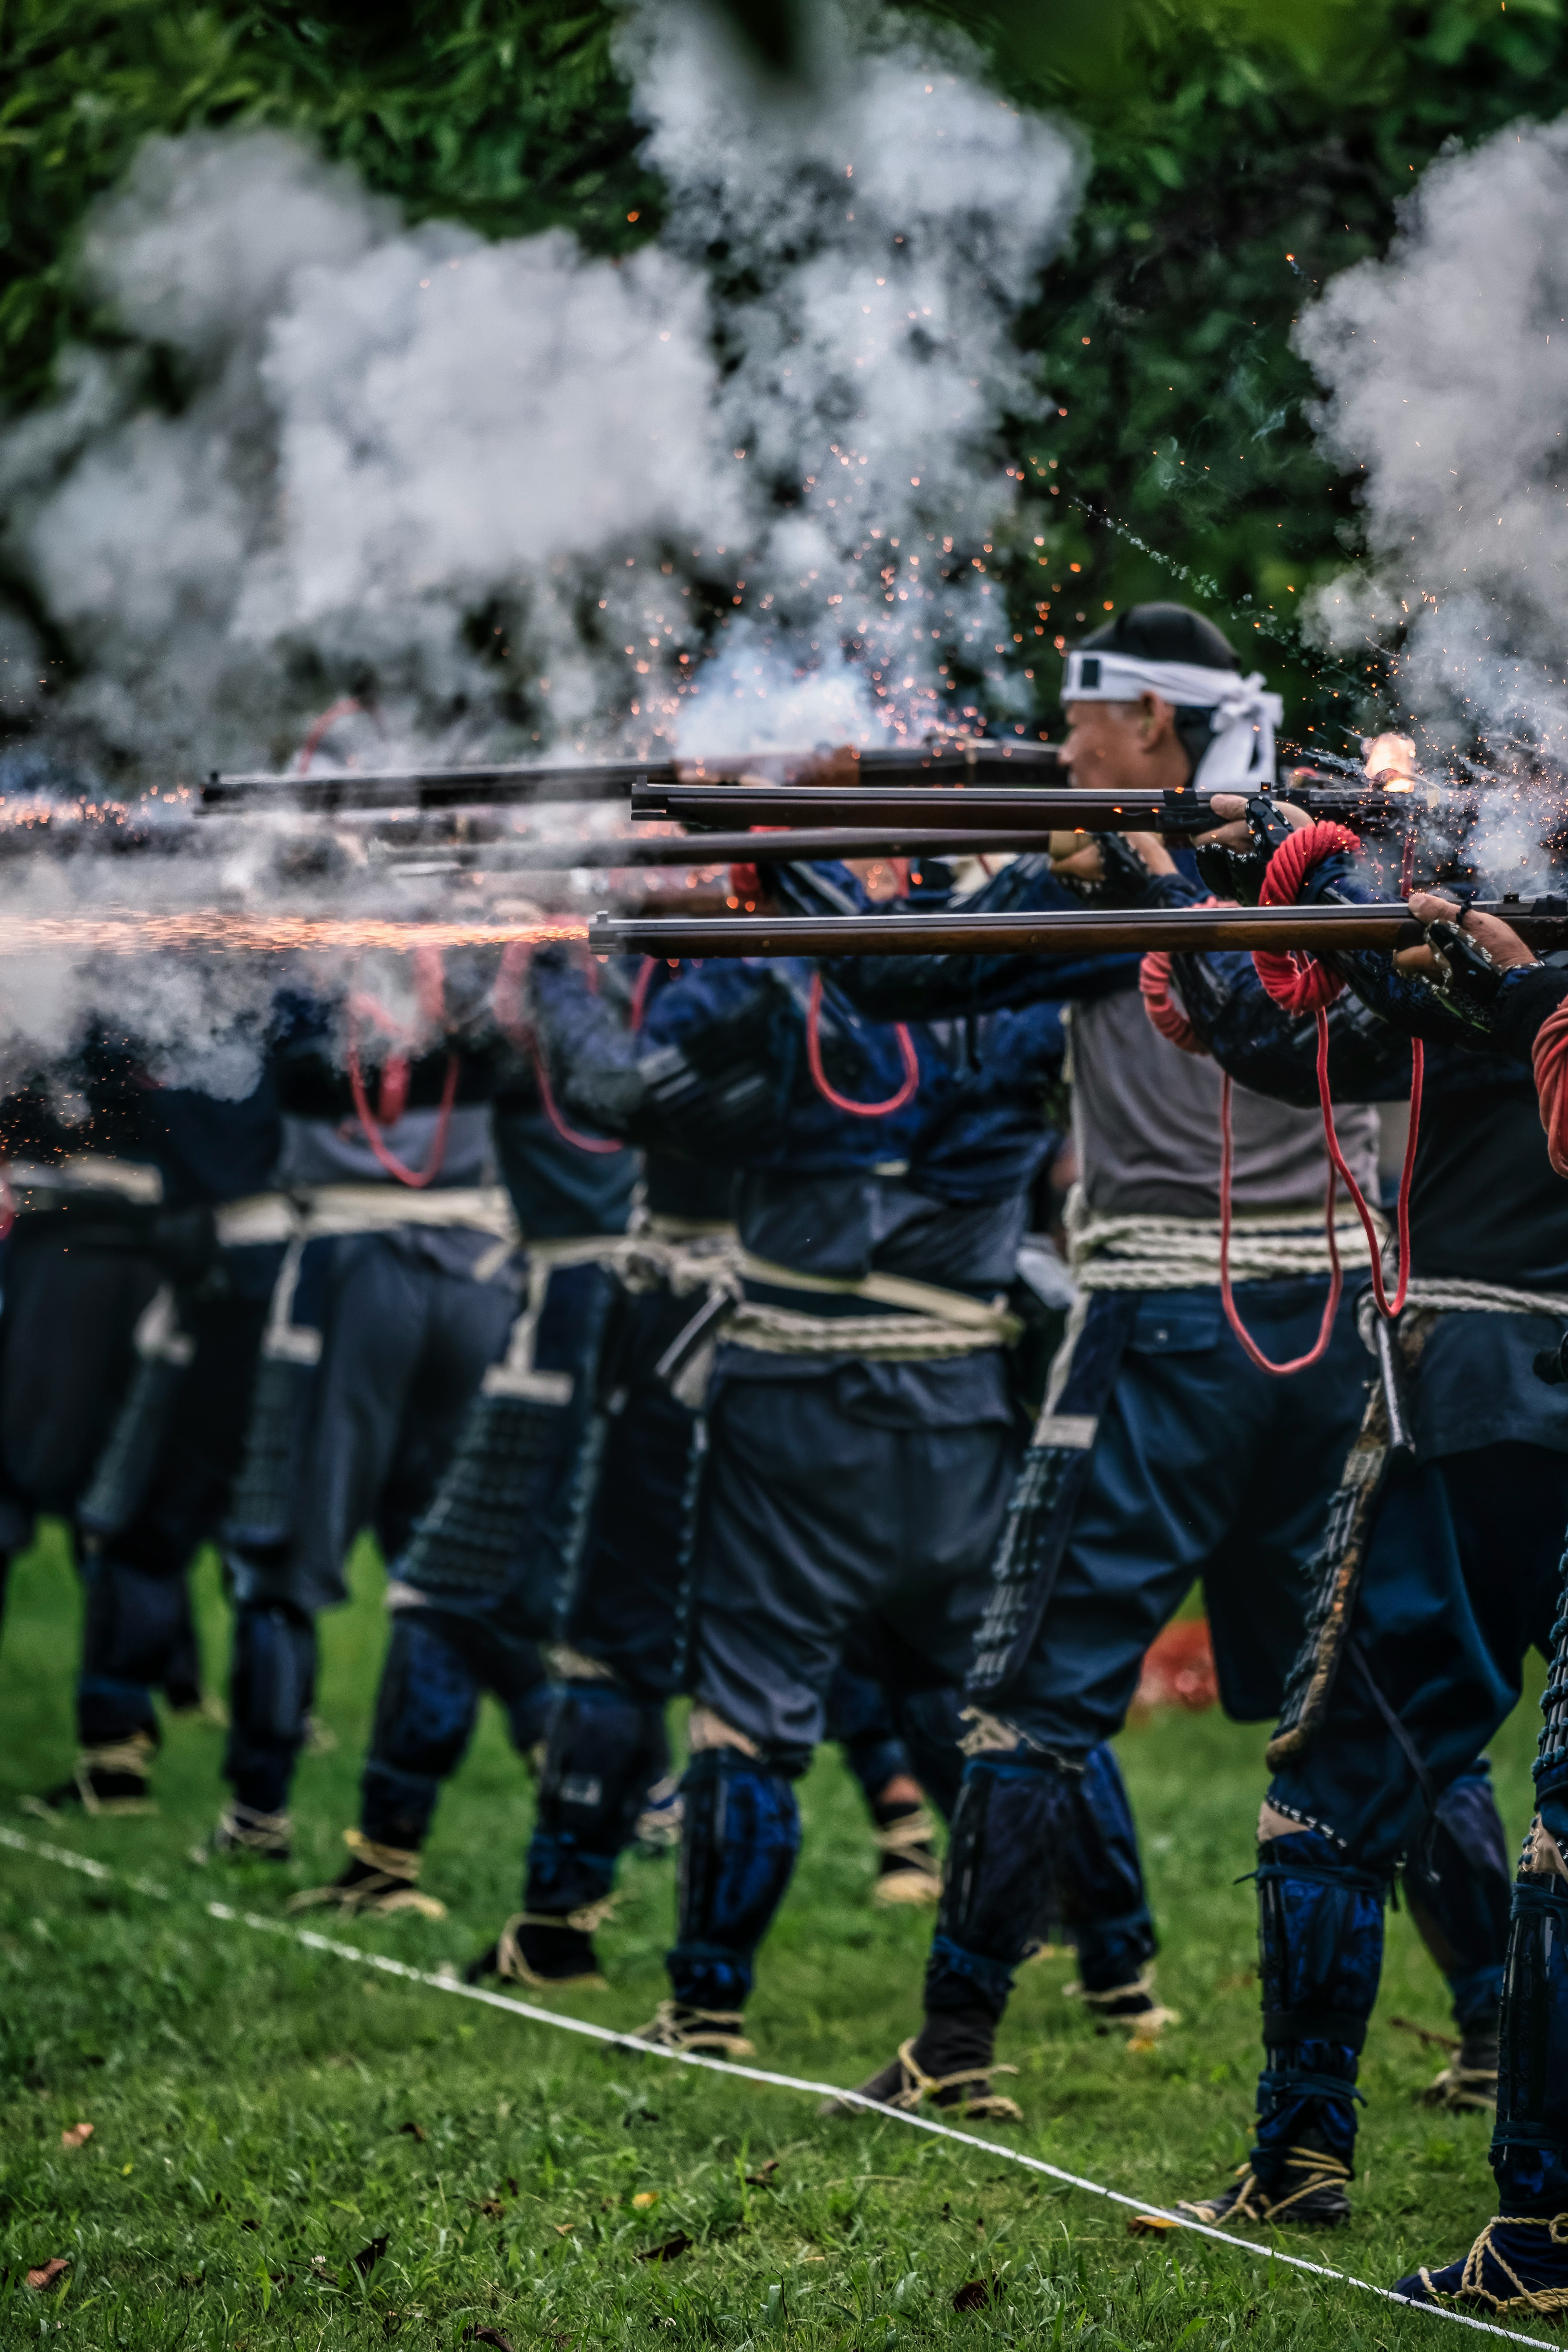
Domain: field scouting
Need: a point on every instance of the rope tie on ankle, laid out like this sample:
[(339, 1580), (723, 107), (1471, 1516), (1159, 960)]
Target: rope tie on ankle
[(394, 1860), (1548, 2301), (914, 1829), (585, 1919), (131, 1755), (1254, 2202), (920, 2087), (257, 1833), (1143, 2024)]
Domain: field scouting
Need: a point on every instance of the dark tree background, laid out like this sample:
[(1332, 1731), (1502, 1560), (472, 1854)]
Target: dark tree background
[(1241, 152)]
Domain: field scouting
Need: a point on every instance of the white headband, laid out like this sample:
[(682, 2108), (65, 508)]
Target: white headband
[(1243, 713)]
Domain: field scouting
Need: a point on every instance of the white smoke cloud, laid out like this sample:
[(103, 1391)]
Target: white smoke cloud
[(388, 433), (736, 490), (1447, 369)]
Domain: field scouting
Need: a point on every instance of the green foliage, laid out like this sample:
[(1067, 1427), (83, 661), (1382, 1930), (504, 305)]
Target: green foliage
[(1244, 152), (1241, 152), (507, 114), (249, 2097)]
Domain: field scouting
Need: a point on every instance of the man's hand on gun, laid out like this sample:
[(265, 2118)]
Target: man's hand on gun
[(1498, 941)]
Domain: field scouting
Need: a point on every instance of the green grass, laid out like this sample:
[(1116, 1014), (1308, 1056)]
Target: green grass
[(250, 2098)]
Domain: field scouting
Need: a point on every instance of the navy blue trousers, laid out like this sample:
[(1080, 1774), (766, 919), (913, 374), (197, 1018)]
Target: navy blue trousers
[(1461, 1577), (138, 1636), (1202, 1470), (405, 1344), (65, 1356), (817, 1529)]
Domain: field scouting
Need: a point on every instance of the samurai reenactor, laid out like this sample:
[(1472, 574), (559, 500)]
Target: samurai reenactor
[(859, 1431), (1440, 1569), (1164, 1457), (158, 1487), (605, 1781), (477, 1592), (396, 1291), (78, 1274)]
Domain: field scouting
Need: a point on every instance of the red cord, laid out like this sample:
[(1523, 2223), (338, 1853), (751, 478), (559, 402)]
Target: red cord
[(1549, 1057), (1300, 984), (7, 1200), (320, 728), (640, 987), (416, 1178), (430, 983), (1154, 987), (1303, 984), (1336, 1277), (841, 1102), (507, 1000)]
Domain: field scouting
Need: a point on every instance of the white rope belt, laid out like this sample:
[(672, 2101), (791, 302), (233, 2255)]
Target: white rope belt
[(1447, 1295), (1148, 1253), (335, 1212), (875, 1338), (1183, 1253), (935, 1323), (84, 1171), (433, 1981)]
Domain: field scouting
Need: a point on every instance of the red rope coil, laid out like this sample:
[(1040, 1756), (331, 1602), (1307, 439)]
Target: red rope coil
[(820, 1078), (1549, 1058), (1154, 987), (1303, 984), (507, 1000), (1300, 984), (430, 983)]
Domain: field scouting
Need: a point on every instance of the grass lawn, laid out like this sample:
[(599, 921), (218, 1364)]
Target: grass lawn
[(262, 2114)]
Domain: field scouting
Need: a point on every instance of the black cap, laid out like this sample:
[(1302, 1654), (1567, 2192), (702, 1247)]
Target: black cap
[(1171, 632)]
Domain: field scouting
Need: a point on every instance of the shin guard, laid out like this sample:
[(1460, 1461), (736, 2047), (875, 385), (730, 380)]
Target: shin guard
[(425, 1714), (1319, 1952), (272, 1683), (738, 1849), (1457, 1890), (1530, 2145), (1103, 1905), (1013, 1824), (603, 1748), (133, 1631)]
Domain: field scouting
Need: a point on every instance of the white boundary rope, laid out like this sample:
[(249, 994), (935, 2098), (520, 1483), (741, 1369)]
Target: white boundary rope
[(313, 1942)]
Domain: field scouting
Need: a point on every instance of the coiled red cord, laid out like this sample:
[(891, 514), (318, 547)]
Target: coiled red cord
[(820, 1078), (430, 983), (1303, 984), (514, 1024), (1154, 987), (1549, 1059)]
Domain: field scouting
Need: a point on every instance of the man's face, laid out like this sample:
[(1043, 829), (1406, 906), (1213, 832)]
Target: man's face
[(1106, 745)]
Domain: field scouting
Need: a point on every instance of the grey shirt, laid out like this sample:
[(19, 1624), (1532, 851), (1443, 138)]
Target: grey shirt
[(1146, 1127), (334, 1151)]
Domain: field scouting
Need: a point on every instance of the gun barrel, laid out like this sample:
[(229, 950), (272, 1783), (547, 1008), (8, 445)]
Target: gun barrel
[(1094, 931), (802, 842), (521, 782), (1010, 810)]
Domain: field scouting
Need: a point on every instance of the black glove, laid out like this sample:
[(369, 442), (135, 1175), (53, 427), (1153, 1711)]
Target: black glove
[(1238, 873)]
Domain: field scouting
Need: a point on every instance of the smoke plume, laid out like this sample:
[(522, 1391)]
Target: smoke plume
[(498, 490), (738, 490), (1446, 370)]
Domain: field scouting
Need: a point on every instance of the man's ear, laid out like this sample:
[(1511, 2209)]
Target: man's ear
[(1150, 710)]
